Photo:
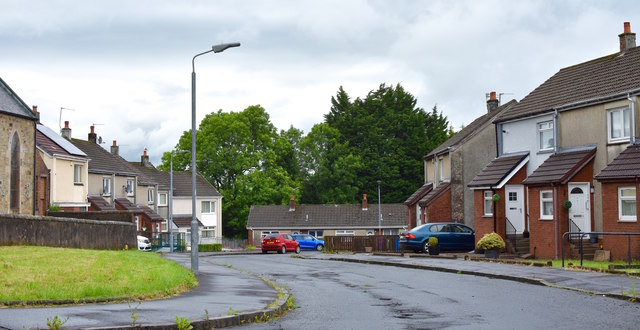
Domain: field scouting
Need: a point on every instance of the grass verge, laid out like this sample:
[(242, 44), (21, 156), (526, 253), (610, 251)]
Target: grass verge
[(603, 265), (46, 273)]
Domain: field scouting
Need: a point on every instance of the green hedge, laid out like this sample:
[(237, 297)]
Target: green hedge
[(210, 247)]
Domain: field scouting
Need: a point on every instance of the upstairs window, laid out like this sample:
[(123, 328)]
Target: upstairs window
[(618, 125), (106, 186), (151, 196), (162, 199), (545, 135), (77, 174), (129, 187), (208, 207)]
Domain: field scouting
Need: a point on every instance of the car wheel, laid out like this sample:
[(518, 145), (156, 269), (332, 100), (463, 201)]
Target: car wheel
[(298, 249), (319, 247), (425, 247), (283, 250)]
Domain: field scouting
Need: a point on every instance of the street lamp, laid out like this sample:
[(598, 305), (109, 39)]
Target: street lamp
[(379, 212), (194, 223)]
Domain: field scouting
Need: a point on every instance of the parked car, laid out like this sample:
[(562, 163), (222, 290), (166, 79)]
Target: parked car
[(308, 242), (280, 243), (451, 236), (143, 243)]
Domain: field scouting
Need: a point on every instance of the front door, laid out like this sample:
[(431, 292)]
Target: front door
[(514, 206), (579, 212)]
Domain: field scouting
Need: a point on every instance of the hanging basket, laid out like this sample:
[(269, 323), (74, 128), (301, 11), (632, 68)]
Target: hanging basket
[(496, 198), (567, 204)]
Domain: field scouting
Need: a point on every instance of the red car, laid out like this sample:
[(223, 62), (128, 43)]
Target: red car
[(280, 243)]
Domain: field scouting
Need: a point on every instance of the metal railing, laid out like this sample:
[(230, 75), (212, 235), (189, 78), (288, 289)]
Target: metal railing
[(160, 240), (573, 228), (583, 234), (511, 234)]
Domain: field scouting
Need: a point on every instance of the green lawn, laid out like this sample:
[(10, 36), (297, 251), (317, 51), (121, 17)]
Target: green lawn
[(595, 264), (43, 273)]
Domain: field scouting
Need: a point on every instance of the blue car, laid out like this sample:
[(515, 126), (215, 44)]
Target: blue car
[(308, 242), (451, 236)]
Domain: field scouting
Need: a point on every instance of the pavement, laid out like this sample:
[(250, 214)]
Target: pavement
[(226, 296)]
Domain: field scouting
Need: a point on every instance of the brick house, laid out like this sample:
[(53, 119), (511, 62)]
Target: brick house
[(451, 166), (17, 153)]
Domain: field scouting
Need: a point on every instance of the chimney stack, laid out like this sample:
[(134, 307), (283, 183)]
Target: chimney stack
[(292, 204), (35, 112), (492, 102), (627, 38), (144, 159), (114, 148), (66, 131), (365, 206), (93, 137)]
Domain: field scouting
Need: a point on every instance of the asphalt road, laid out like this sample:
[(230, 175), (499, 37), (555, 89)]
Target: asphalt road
[(339, 295)]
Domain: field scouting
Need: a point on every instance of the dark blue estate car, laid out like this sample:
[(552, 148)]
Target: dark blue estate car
[(451, 236), (308, 242)]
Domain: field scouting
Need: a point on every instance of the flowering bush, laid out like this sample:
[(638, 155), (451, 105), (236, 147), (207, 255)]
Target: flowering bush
[(490, 241)]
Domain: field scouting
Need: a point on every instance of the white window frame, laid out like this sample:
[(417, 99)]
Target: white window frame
[(106, 186), (150, 196), (129, 187), (546, 200), (626, 127), (345, 233), (441, 168), (626, 218), (165, 225), (77, 174), (541, 130), (212, 207), (370, 232), (488, 197), (166, 199)]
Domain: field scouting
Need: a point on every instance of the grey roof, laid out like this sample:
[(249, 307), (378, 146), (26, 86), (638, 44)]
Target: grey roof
[(11, 103), (625, 167), (435, 194), (471, 129), (497, 170), (182, 185), (326, 216), (561, 167), (184, 221), (54, 144), (418, 194), (596, 81), (102, 161), (148, 174)]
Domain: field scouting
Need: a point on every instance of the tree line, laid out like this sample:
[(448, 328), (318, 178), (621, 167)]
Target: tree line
[(382, 137)]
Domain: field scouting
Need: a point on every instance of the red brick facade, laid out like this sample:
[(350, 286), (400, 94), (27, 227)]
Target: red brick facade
[(618, 245), (440, 209)]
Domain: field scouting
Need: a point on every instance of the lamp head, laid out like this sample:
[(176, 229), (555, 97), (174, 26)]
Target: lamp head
[(222, 47)]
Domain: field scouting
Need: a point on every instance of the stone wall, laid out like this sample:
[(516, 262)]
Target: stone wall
[(24, 130), (119, 215), (66, 232)]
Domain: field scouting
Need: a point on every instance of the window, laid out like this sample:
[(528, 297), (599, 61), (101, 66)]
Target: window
[(129, 187), (345, 233), (14, 186), (441, 168), (370, 232), (488, 203), (208, 207), (316, 233), (77, 174), (208, 232), (545, 135), (436, 228), (627, 204), (164, 225), (618, 125), (546, 204), (513, 196), (106, 186), (162, 199), (265, 233), (151, 196), (389, 232)]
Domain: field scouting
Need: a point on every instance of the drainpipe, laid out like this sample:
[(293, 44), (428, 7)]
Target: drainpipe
[(555, 216), (527, 213), (555, 131), (633, 118)]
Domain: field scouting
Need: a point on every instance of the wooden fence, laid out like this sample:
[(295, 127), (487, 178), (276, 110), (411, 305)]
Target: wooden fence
[(387, 243)]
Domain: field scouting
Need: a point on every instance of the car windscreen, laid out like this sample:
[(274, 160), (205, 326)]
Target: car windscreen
[(271, 236)]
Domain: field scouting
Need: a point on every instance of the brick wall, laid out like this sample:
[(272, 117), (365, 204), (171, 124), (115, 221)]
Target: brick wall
[(65, 232), (440, 209), (618, 245), (411, 221)]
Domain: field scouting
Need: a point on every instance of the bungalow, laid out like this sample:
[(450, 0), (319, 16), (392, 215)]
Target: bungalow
[(325, 220)]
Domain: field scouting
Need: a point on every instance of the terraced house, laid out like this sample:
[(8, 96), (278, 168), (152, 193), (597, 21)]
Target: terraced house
[(552, 144)]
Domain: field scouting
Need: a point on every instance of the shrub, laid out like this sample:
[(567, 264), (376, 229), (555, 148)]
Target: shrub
[(210, 247), (490, 241), (433, 241), (251, 248)]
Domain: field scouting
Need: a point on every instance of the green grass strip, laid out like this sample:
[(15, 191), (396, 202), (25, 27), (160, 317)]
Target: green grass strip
[(46, 273)]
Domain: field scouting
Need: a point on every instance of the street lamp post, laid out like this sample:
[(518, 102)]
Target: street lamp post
[(379, 212), (194, 222)]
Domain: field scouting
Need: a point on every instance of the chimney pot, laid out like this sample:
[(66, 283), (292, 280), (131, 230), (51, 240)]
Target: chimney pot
[(492, 96), (91, 128), (627, 27), (365, 205), (627, 38), (35, 108), (114, 143), (493, 102), (114, 148), (144, 159), (66, 124), (292, 204), (92, 136), (66, 131)]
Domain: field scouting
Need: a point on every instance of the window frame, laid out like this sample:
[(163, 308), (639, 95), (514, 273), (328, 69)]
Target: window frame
[(151, 196), (489, 198), (129, 188), (345, 233), (166, 199), (544, 200), (541, 131), (627, 218), (626, 127), (77, 174), (441, 168), (107, 191), (212, 207)]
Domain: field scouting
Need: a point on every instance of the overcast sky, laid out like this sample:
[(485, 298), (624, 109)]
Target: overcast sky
[(126, 65)]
